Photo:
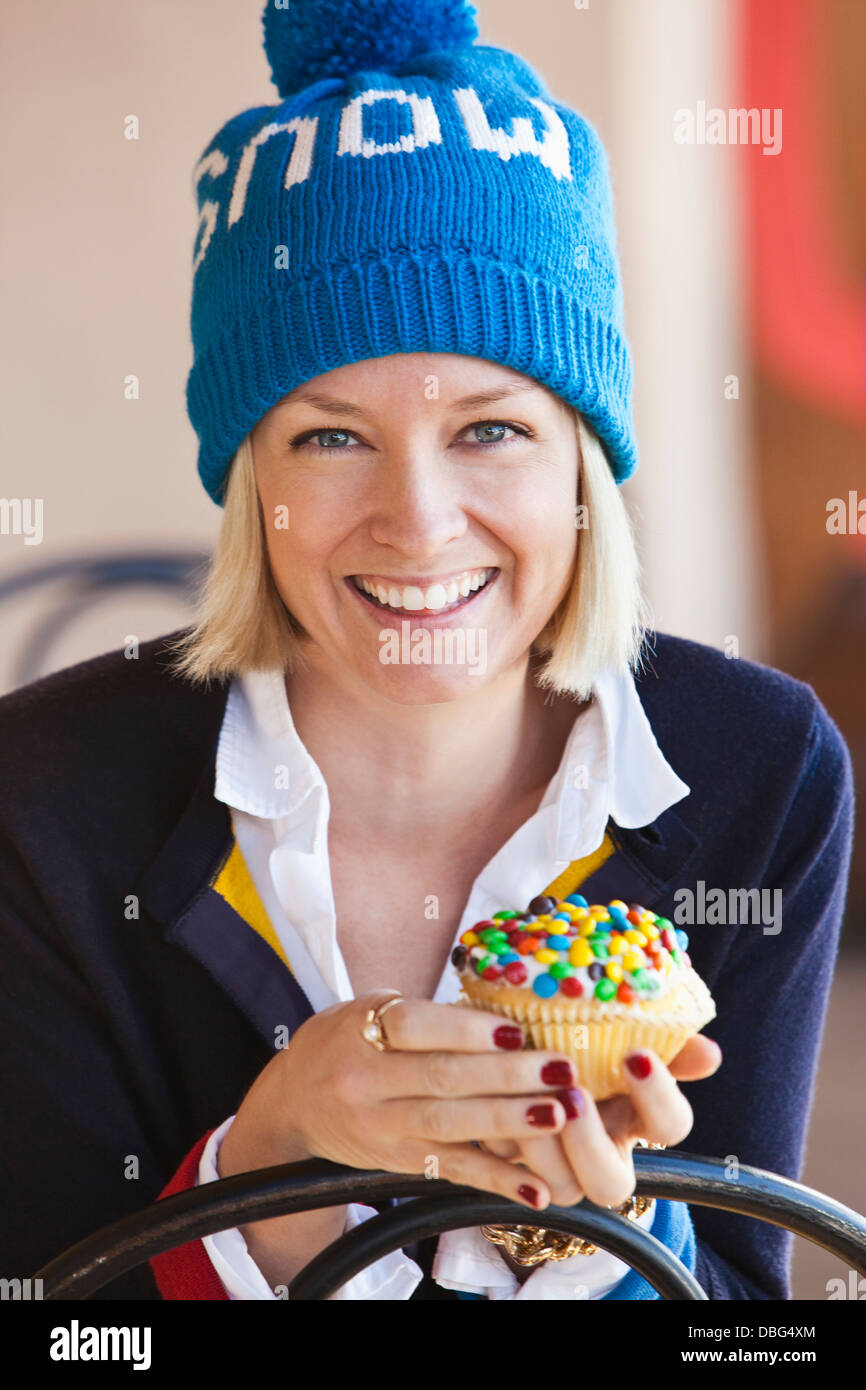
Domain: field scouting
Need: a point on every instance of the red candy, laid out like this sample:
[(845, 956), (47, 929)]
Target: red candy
[(668, 939), (528, 944), (484, 926), (492, 972), (633, 917), (515, 938), (625, 993), (571, 986), (515, 972)]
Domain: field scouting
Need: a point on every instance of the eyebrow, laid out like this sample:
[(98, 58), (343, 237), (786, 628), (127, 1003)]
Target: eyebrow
[(332, 406)]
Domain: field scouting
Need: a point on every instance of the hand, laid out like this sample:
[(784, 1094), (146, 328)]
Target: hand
[(592, 1155), (418, 1108)]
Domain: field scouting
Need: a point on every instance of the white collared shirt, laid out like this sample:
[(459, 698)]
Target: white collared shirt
[(611, 767)]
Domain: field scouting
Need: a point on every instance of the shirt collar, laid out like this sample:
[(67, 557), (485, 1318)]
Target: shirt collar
[(611, 766)]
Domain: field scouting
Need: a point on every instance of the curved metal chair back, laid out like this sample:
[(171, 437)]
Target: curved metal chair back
[(315, 1183)]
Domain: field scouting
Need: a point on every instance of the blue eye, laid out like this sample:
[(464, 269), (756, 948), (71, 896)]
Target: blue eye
[(318, 434), (493, 425)]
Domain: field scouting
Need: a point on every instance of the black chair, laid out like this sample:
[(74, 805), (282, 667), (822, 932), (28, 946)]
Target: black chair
[(315, 1183), (86, 579)]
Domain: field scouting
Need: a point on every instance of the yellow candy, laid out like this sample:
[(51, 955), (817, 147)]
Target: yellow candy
[(545, 956), (579, 953), (633, 960), (617, 945), (470, 938), (587, 926), (618, 902), (545, 917), (651, 931), (578, 912), (599, 910), (613, 971), (636, 938)]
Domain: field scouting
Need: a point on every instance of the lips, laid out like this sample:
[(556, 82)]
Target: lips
[(415, 601)]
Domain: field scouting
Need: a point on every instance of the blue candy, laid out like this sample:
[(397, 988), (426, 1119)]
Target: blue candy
[(561, 917), (558, 943), (545, 986), (576, 900), (682, 939), (506, 960)]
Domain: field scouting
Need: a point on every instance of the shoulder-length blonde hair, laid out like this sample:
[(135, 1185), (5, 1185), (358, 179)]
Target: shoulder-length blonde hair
[(243, 625)]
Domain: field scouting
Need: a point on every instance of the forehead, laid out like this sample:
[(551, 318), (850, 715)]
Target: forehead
[(444, 376)]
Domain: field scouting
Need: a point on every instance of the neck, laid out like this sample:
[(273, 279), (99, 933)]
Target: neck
[(406, 771)]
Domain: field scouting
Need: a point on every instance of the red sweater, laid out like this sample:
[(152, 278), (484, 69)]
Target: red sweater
[(187, 1272)]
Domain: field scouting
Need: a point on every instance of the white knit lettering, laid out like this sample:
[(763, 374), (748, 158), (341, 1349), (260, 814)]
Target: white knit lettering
[(300, 164), (425, 125), (552, 149)]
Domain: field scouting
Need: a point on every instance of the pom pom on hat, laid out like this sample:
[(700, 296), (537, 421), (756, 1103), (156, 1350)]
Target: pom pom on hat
[(307, 40)]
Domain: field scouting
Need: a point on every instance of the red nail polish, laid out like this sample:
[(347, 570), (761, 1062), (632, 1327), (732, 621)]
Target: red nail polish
[(639, 1065), (542, 1116), (556, 1073), (508, 1036), (529, 1194), (572, 1102)]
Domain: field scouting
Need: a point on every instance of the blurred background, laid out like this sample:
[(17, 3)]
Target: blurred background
[(743, 250)]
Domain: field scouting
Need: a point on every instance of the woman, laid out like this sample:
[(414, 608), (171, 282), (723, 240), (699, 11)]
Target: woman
[(412, 394)]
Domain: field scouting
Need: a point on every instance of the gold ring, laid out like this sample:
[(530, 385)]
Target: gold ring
[(372, 1030)]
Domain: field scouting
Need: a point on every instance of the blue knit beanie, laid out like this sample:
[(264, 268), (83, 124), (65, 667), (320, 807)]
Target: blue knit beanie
[(411, 191)]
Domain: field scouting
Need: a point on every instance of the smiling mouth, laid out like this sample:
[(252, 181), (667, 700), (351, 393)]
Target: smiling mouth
[(421, 612)]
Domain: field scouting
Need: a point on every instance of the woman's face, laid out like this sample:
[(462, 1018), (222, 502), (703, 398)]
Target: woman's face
[(446, 487)]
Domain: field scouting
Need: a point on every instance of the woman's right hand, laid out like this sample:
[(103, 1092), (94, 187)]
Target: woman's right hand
[(450, 1077)]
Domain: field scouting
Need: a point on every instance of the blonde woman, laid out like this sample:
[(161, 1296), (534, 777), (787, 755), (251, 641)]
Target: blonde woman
[(419, 689)]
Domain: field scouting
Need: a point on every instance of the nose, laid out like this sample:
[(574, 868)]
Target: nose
[(417, 503)]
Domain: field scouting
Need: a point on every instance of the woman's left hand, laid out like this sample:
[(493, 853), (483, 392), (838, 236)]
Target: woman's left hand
[(591, 1155)]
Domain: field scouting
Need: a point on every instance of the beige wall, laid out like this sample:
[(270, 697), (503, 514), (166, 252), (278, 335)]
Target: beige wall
[(97, 237)]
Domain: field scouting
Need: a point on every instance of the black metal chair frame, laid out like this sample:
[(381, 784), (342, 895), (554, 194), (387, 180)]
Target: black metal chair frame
[(441, 1206)]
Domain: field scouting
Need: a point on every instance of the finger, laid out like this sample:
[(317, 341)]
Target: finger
[(488, 1117), (467, 1166), (604, 1172), (458, 1074), (664, 1114), (417, 1025), (699, 1057), (500, 1148), (547, 1157)]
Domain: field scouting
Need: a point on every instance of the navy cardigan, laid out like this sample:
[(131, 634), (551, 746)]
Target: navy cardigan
[(136, 1011)]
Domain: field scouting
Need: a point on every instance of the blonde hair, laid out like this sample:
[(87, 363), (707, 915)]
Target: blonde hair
[(243, 625)]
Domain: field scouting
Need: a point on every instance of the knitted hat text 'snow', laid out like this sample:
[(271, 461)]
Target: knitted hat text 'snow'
[(411, 191)]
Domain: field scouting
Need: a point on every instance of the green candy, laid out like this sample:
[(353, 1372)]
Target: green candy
[(605, 989), (483, 962), (561, 970), (662, 923), (499, 948), (505, 913), (676, 955), (491, 934), (599, 948), (641, 978)]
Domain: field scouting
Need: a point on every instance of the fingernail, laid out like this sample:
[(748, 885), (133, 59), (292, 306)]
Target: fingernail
[(556, 1074), (529, 1194), (572, 1102), (542, 1116), (510, 1037), (639, 1065)]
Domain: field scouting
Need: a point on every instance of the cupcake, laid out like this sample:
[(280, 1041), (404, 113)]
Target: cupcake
[(596, 981)]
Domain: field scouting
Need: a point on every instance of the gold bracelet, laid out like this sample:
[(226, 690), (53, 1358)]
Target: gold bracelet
[(532, 1245)]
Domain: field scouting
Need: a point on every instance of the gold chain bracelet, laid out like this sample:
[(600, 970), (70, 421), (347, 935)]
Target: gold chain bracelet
[(532, 1245)]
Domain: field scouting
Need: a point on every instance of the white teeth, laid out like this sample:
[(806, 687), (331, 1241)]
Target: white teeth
[(413, 599)]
